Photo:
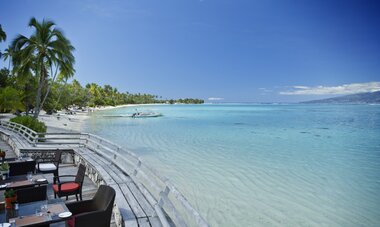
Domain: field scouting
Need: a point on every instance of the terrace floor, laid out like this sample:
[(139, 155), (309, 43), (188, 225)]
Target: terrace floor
[(135, 208), (89, 188)]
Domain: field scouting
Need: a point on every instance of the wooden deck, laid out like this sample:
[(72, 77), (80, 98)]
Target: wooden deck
[(89, 188), (143, 197), (136, 209), (133, 208)]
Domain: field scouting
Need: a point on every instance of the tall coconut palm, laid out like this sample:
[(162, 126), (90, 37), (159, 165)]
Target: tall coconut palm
[(47, 52), (3, 35), (7, 55)]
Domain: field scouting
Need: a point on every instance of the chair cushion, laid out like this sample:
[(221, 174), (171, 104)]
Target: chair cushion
[(46, 167), (66, 187), (71, 221)]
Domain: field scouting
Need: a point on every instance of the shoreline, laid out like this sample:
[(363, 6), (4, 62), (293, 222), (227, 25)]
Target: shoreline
[(62, 122)]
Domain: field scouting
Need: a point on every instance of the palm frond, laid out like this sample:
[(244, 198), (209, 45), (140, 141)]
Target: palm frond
[(3, 35)]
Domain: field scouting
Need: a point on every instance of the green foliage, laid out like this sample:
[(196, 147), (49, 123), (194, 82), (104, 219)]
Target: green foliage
[(69, 94), (41, 66), (3, 35), (190, 101), (4, 77), (30, 122), (4, 166), (10, 100), (46, 51), (9, 193)]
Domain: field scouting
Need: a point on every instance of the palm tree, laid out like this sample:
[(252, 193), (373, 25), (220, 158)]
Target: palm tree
[(8, 54), (10, 100), (46, 51), (3, 35)]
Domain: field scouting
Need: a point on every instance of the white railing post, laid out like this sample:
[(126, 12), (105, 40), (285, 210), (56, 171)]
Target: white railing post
[(163, 194), (137, 168), (13, 128), (35, 140)]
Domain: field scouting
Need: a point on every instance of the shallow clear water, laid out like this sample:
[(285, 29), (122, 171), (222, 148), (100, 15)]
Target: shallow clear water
[(262, 165)]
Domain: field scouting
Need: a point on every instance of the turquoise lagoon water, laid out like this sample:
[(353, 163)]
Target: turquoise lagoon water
[(262, 165)]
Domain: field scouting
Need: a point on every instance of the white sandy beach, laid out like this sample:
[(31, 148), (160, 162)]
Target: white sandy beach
[(63, 122)]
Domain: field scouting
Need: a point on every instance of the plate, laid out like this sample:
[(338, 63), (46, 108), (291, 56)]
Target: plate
[(41, 180), (64, 214)]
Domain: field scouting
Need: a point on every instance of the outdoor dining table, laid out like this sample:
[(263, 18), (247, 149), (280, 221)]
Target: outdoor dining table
[(21, 181), (33, 214)]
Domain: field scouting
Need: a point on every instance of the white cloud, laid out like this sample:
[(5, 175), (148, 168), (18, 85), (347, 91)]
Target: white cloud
[(265, 90), (215, 99), (345, 89), (301, 87)]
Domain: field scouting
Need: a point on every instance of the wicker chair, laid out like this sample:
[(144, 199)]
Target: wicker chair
[(96, 212), (21, 168), (50, 165), (31, 194), (66, 188)]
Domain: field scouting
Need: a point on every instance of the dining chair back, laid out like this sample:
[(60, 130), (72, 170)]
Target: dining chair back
[(80, 174), (31, 194), (21, 168), (50, 165), (96, 212), (66, 188)]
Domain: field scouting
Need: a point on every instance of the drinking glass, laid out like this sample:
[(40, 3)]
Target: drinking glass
[(29, 176), (38, 212), (12, 222), (44, 209)]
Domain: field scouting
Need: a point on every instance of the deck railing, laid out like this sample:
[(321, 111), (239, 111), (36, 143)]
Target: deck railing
[(158, 190), (25, 132)]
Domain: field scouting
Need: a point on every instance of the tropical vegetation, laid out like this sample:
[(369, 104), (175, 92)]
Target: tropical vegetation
[(3, 35), (39, 76), (31, 123)]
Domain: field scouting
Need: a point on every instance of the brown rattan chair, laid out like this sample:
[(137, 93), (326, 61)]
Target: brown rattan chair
[(96, 212), (31, 194), (49, 165), (66, 188), (21, 168)]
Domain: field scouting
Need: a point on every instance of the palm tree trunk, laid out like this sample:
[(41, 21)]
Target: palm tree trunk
[(60, 94), (38, 100), (9, 65), (39, 91), (46, 95)]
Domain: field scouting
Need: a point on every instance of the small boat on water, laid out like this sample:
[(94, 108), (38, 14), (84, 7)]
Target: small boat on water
[(144, 115)]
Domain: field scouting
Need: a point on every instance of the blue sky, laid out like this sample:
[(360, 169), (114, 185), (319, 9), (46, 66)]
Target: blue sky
[(237, 50)]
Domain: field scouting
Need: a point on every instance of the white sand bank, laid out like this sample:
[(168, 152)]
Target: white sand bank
[(63, 122)]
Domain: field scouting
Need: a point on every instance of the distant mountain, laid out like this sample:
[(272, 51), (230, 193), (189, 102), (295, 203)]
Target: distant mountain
[(362, 98)]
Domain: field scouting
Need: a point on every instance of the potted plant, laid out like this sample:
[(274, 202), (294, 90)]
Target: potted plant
[(2, 155), (10, 198), (4, 168)]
